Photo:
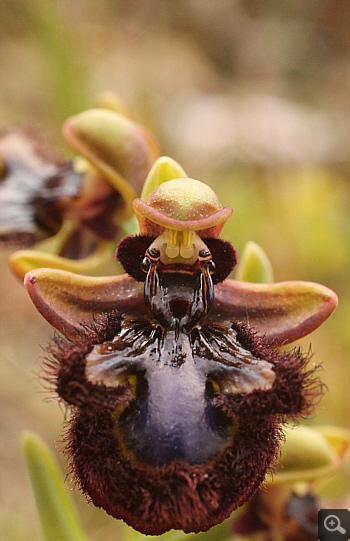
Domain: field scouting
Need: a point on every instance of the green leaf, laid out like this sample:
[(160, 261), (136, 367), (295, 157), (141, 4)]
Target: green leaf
[(57, 514), (254, 265)]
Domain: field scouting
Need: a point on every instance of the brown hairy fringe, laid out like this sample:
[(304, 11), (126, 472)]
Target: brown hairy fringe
[(65, 362), (155, 499), (191, 497)]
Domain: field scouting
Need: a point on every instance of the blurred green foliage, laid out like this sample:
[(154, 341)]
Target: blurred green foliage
[(165, 57)]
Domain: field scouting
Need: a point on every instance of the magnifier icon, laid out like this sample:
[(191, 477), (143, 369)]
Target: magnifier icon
[(332, 524)]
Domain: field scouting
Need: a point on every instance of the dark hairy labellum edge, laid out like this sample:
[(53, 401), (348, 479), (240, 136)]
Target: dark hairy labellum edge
[(154, 499), (182, 496)]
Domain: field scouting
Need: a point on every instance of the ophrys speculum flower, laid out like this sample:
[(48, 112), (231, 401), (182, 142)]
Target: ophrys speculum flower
[(177, 403), (72, 213)]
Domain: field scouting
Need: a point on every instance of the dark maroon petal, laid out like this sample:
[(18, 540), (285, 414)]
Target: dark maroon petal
[(283, 312), (224, 256), (130, 253), (190, 489)]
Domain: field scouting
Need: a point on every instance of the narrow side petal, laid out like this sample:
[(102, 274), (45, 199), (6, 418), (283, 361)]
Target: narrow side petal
[(283, 312), (69, 301)]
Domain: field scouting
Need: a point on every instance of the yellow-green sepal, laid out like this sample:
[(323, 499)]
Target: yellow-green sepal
[(309, 454), (254, 265), (163, 169)]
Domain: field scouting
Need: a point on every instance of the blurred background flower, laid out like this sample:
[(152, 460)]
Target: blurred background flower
[(250, 97), (79, 208)]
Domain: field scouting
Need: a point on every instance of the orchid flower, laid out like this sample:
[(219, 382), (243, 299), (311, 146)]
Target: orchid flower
[(71, 213), (174, 374)]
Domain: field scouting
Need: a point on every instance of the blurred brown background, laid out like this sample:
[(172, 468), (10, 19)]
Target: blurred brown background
[(250, 97)]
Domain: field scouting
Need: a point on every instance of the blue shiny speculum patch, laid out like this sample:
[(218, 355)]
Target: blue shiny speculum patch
[(179, 365), (173, 415)]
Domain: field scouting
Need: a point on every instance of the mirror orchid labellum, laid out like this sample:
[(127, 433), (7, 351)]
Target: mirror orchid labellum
[(177, 403)]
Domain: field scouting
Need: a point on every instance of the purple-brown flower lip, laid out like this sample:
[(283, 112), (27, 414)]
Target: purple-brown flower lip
[(31, 189), (143, 456)]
